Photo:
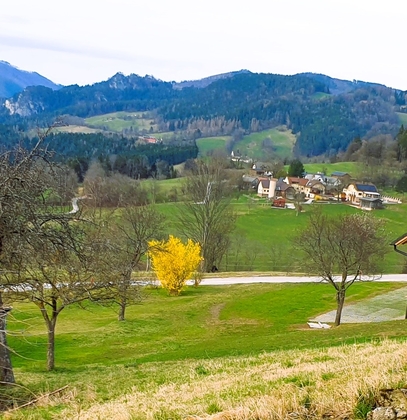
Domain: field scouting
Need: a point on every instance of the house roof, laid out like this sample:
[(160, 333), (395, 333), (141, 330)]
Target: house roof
[(314, 182), (265, 183), (281, 185), (339, 173), (301, 181), (247, 178), (366, 188), (401, 240)]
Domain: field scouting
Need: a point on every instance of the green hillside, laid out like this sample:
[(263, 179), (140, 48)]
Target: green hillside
[(275, 142), (210, 144), (119, 121), (268, 143), (327, 168), (402, 117)]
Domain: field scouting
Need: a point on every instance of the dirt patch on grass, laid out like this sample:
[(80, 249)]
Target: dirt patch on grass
[(215, 312)]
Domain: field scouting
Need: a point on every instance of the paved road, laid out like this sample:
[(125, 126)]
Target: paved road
[(213, 281)]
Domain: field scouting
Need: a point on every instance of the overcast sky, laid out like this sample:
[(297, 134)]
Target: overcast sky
[(84, 41)]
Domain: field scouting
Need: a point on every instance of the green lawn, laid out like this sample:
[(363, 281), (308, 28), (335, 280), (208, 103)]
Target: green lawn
[(281, 143), (204, 322), (168, 340)]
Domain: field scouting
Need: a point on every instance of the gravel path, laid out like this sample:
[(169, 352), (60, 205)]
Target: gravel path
[(387, 307)]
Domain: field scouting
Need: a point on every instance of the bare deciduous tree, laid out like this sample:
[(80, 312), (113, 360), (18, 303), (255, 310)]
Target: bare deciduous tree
[(342, 249), (122, 244), (207, 217)]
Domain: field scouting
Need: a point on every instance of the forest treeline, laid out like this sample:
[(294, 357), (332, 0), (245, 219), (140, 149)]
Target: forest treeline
[(115, 152), (324, 117)]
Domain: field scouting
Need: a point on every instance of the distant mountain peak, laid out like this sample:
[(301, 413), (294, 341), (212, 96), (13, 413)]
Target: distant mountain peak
[(206, 81), (14, 80)]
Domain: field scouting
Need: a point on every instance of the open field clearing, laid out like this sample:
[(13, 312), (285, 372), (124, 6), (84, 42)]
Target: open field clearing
[(118, 121), (279, 142), (263, 237), (76, 129), (210, 144), (402, 117)]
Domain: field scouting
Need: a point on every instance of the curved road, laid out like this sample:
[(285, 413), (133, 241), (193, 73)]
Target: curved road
[(213, 281)]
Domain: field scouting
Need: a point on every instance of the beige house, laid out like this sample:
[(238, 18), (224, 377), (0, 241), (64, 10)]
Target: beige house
[(356, 191), (267, 187), (263, 187)]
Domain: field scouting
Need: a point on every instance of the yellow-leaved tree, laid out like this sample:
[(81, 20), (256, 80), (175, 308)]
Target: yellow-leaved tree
[(174, 262)]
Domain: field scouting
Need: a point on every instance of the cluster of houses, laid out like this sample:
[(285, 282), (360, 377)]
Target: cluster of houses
[(339, 187)]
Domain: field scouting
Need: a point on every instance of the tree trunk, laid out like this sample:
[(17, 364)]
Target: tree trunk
[(51, 346), (340, 299), (122, 310), (6, 368)]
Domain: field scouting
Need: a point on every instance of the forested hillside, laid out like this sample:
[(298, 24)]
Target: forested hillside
[(325, 114)]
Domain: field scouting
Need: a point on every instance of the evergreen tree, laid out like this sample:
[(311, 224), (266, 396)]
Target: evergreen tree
[(296, 168)]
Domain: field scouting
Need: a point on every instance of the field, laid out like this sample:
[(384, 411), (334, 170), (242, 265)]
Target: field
[(281, 144), (119, 121), (239, 352), (210, 144), (76, 129), (402, 117), (263, 238), (211, 341), (328, 168)]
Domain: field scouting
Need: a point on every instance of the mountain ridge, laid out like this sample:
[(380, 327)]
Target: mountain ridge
[(325, 113), (14, 80)]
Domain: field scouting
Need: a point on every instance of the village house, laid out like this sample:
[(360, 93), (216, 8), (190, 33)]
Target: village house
[(260, 169), (250, 182), (267, 187), (343, 177), (365, 195)]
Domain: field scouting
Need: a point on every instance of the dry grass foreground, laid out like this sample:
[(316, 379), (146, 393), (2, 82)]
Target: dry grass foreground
[(288, 384)]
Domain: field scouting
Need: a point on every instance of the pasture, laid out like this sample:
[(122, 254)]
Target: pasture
[(274, 142), (402, 118), (168, 345), (118, 121), (264, 235), (210, 144)]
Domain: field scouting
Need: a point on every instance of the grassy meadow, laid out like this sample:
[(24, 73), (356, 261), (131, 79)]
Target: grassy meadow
[(213, 341), (118, 121), (403, 118), (238, 352), (211, 144), (281, 141), (263, 237)]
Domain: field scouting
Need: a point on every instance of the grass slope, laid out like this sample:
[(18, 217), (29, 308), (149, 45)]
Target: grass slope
[(118, 121), (207, 145), (402, 117), (281, 141), (263, 237), (170, 347), (328, 168)]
